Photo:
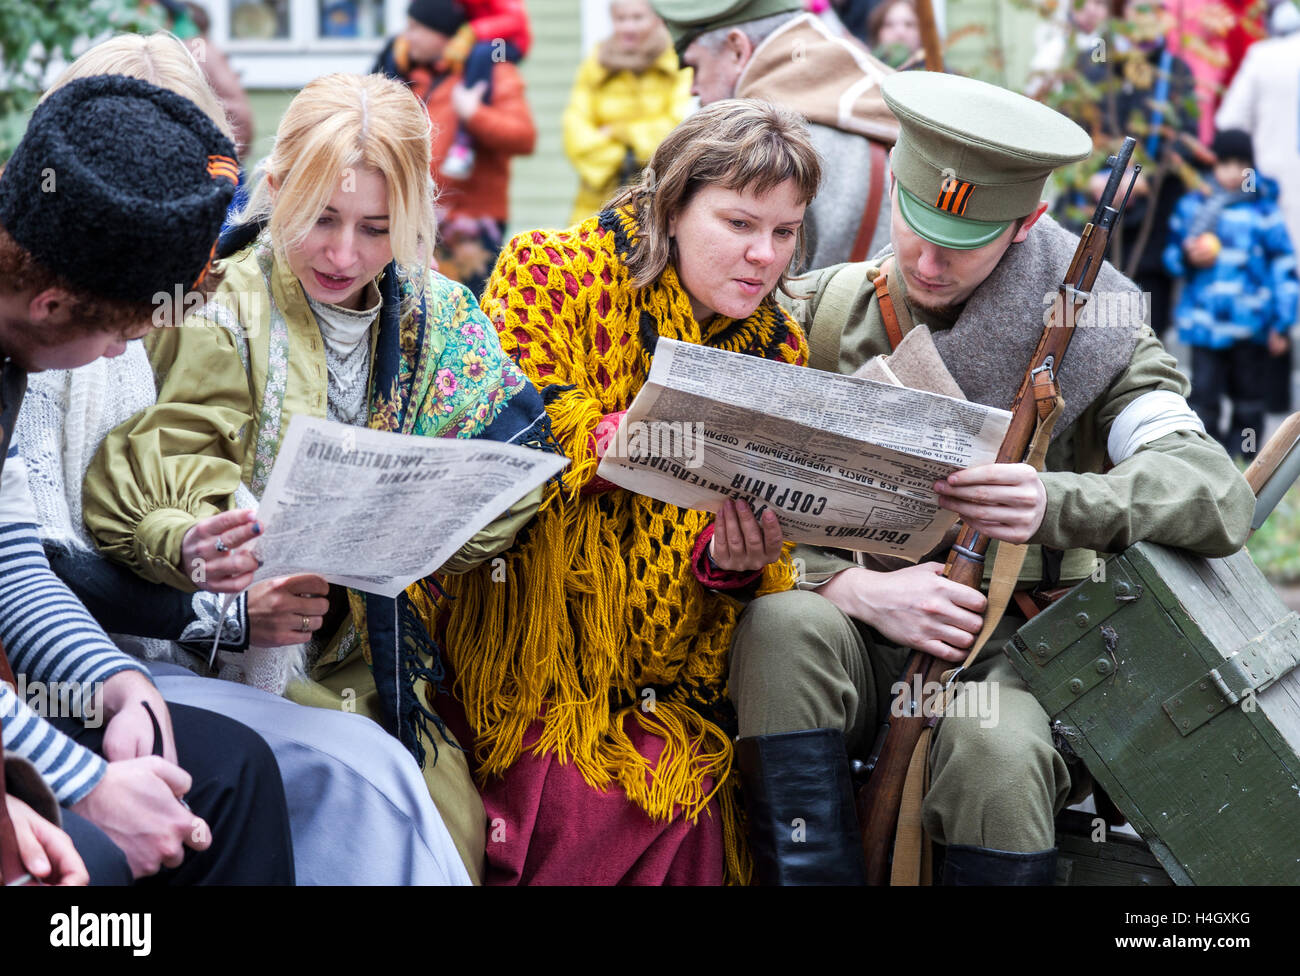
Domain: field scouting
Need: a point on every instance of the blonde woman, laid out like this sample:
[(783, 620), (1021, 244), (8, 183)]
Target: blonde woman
[(326, 308), (593, 679)]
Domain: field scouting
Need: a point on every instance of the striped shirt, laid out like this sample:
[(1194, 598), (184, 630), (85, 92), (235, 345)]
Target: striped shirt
[(49, 637)]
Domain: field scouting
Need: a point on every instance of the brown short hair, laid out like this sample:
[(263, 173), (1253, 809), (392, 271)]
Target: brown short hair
[(740, 144)]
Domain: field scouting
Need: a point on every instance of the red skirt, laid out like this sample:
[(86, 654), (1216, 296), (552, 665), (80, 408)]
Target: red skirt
[(547, 826)]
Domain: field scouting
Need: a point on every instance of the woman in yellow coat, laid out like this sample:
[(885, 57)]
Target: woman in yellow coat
[(628, 95)]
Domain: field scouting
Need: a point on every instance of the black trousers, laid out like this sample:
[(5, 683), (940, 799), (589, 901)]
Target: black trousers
[(1241, 373), (236, 789)]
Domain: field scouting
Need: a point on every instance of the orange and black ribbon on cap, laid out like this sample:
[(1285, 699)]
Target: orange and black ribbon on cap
[(954, 194), (219, 167)]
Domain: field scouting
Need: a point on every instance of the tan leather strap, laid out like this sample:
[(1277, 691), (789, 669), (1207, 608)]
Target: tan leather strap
[(911, 845), (888, 313), (834, 309), (1009, 558), (871, 212), (912, 850)]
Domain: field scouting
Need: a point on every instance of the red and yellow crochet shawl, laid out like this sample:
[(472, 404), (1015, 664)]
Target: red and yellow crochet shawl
[(597, 602)]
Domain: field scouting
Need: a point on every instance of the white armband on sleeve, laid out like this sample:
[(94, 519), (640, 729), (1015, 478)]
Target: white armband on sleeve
[(1148, 418)]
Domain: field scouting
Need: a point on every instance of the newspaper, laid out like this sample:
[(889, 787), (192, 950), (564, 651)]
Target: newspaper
[(842, 461), (377, 511)]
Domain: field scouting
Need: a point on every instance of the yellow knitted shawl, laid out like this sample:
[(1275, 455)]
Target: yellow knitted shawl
[(596, 614)]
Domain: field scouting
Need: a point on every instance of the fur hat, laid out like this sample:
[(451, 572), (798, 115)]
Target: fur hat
[(120, 187)]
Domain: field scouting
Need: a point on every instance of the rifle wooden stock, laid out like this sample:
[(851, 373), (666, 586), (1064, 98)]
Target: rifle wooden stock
[(929, 29), (879, 800)]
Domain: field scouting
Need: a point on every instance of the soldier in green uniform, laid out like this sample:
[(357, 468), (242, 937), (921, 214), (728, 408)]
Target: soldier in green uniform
[(975, 260)]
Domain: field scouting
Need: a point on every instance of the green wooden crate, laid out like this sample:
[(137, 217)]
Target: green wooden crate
[(1117, 860), (1173, 678)]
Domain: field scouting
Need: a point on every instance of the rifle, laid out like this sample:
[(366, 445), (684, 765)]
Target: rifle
[(887, 766), (930, 42)]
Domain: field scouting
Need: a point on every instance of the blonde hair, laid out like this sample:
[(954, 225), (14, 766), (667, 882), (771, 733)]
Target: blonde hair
[(740, 144), (161, 59), (340, 122)]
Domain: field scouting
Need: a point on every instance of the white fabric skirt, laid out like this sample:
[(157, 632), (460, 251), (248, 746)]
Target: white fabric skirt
[(359, 809)]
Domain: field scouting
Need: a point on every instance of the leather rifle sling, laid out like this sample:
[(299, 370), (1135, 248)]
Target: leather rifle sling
[(888, 314), (11, 865), (871, 212), (911, 862)]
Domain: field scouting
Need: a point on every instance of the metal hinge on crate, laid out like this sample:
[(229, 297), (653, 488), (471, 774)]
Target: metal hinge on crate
[(1253, 667)]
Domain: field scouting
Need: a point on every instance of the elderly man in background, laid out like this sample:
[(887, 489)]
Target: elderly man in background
[(772, 50)]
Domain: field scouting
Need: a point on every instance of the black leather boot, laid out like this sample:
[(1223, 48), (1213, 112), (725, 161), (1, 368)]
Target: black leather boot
[(964, 865), (803, 826)]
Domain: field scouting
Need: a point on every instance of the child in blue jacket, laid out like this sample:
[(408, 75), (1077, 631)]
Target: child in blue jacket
[(1227, 240)]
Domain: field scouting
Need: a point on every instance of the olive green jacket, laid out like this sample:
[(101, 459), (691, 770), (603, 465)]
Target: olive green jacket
[(1179, 490), (182, 459)]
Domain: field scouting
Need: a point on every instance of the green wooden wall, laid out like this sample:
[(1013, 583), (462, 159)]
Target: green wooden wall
[(543, 186)]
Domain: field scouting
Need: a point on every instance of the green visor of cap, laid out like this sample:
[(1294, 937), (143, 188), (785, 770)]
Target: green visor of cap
[(945, 229)]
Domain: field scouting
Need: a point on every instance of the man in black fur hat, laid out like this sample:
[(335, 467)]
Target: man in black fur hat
[(111, 203)]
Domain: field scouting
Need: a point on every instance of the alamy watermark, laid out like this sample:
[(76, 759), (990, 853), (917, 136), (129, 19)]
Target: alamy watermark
[(971, 699), (62, 699), (241, 312), (680, 441), (1105, 310)]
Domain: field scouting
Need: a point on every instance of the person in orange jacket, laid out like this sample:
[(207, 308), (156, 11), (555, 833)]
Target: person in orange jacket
[(489, 32), (472, 212)]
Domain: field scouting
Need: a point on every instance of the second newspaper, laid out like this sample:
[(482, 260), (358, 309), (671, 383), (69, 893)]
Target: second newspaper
[(842, 461)]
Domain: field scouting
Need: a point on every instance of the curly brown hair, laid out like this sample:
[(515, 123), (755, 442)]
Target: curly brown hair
[(88, 313)]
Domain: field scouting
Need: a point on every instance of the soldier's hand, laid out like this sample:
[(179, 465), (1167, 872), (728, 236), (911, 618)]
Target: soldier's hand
[(913, 607), (1003, 501)]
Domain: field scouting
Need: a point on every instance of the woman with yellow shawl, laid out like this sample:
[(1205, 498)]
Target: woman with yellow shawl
[(592, 664)]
